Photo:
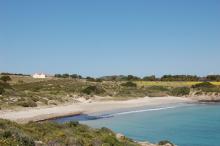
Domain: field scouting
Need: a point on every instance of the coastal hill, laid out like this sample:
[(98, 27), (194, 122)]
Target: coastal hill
[(68, 134), (25, 91)]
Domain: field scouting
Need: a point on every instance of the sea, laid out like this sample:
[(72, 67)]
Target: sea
[(182, 124)]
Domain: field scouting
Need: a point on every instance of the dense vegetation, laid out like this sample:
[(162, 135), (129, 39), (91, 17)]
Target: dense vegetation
[(5, 78), (129, 84), (181, 91), (51, 134), (179, 78), (163, 78), (66, 75), (213, 78), (17, 74)]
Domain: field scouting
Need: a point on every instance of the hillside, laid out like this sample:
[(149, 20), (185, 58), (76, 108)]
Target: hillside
[(25, 91), (67, 134)]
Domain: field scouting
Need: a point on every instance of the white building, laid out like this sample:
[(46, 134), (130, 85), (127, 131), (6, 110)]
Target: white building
[(39, 75)]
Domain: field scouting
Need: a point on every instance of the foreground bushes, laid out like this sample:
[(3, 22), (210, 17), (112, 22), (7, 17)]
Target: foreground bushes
[(49, 133)]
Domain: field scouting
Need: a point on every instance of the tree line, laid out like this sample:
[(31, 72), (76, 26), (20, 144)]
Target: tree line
[(66, 75), (17, 74), (132, 77), (146, 78)]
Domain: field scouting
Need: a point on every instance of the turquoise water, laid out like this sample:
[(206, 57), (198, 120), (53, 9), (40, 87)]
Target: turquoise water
[(184, 125)]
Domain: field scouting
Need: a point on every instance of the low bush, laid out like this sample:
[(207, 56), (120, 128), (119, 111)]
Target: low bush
[(5, 85), (14, 136), (27, 103), (180, 91), (2, 90), (129, 84), (5, 78), (203, 85), (93, 89), (72, 123), (158, 88), (35, 99), (206, 87)]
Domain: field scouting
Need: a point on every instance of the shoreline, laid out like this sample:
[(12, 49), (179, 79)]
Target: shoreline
[(46, 113)]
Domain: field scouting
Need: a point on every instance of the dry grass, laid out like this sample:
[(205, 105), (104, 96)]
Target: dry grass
[(170, 84)]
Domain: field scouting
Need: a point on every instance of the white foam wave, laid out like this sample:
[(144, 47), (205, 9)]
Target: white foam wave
[(138, 111)]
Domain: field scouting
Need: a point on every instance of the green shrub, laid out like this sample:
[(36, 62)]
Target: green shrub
[(2, 90), (4, 85), (6, 134), (35, 99), (93, 89), (14, 136), (27, 103), (106, 130), (158, 88), (5, 78), (72, 123), (180, 91), (129, 84), (203, 85), (24, 140), (206, 87)]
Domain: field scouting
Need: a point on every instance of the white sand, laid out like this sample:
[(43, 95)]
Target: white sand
[(43, 113)]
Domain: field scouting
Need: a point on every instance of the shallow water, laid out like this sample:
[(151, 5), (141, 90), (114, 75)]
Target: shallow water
[(184, 125)]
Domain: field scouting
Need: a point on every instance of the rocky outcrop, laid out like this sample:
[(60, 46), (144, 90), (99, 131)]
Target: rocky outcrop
[(121, 137)]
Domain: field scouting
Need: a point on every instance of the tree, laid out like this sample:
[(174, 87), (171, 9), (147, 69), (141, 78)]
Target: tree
[(5, 78), (58, 75), (179, 78), (74, 76), (213, 77), (150, 78), (66, 75), (131, 77)]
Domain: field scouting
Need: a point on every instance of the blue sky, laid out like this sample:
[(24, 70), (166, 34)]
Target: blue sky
[(106, 37)]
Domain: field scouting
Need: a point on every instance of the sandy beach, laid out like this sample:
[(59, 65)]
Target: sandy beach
[(43, 113)]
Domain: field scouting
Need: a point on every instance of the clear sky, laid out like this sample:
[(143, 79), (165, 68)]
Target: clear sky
[(106, 37)]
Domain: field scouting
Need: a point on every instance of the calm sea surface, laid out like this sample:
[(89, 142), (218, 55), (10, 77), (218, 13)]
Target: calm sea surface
[(184, 125)]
